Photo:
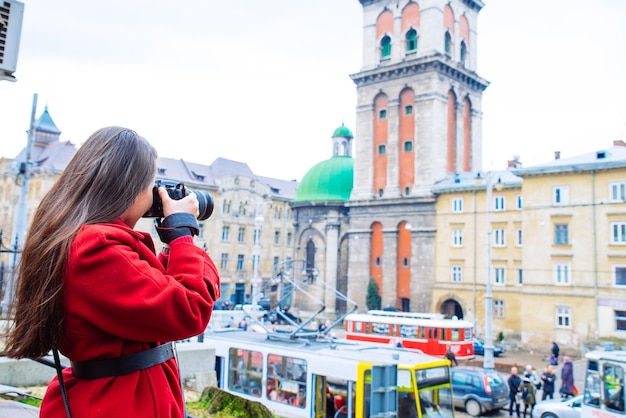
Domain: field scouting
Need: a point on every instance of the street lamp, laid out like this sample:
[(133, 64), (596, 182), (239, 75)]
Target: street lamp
[(488, 362)]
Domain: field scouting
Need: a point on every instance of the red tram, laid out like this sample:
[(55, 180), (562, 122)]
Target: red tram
[(429, 332)]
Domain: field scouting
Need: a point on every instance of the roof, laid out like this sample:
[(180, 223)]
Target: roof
[(329, 180), (46, 124), (604, 159), (343, 131), (460, 182)]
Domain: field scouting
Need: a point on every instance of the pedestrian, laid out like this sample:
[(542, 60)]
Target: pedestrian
[(532, 375), (528, 395), (94, 288), (450, 356), (555, 353), (567, 378), (549, 380), (514, 383)]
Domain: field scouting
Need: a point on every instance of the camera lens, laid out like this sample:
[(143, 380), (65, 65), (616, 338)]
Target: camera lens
[(205, 204)]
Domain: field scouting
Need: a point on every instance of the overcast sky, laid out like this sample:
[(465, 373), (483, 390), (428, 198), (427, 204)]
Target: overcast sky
[(267, 82)]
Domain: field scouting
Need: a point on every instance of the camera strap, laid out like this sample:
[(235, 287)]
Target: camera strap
[(57, 366)]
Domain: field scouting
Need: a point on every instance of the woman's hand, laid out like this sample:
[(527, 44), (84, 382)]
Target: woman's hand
[(188, 204)]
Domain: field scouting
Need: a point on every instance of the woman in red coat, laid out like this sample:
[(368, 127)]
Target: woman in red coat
[(93, 287)]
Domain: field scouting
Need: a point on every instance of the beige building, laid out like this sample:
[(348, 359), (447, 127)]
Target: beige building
[(557, 233), (248, 207)]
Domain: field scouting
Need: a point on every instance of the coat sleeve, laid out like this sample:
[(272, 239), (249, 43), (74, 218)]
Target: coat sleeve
[(116, 285)]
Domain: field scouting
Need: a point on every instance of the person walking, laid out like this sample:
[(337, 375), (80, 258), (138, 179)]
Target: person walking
[(94, 288), (567, 378), (528, 395), (514, 383), (549, 380), (450, 356), (555, 353)]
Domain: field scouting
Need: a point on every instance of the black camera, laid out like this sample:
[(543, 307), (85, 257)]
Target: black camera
[(177, 191)]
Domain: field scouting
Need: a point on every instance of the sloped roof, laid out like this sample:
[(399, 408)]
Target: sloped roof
[(457, 182), (604, 159), (330, 180)]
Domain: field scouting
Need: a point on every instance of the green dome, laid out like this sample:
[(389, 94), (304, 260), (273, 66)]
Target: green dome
[(330, 180), (343, 131)]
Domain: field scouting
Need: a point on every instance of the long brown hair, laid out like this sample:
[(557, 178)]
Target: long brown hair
[(100, 182)]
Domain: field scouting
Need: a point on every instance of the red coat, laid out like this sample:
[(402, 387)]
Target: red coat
[(118, 298)]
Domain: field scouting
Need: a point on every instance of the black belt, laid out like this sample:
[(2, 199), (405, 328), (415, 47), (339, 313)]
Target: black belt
[(95, 369)]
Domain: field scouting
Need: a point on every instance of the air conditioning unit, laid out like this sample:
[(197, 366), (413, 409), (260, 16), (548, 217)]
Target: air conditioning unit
[(11, 16)]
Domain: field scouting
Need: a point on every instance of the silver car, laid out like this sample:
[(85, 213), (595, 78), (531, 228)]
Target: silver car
[(559, 408)]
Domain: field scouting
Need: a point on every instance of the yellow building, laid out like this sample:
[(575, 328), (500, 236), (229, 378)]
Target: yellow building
[(461, 254), (574, 256), (558, 235)]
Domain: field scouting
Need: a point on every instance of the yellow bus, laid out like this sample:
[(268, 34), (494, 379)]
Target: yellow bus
[(326, 377)]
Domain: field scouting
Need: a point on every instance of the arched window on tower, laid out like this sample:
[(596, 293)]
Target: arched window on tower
[(447, 44), (385, 47), (411, 40), (463, 57), (310, 255)]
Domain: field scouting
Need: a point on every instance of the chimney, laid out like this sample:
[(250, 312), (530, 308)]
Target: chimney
[(619, 143), (514, 163), (557, 155)]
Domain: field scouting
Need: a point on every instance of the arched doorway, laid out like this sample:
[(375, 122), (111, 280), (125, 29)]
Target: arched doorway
[(451, 308)]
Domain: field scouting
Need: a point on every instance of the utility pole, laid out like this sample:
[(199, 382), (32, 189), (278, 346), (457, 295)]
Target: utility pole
[(20, 220)]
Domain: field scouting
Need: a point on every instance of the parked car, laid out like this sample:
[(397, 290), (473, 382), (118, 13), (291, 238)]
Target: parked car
[(478, 391), (559, 408), (479, 348), (251, 310)]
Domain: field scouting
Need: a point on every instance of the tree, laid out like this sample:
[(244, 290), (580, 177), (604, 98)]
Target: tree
[(373, 299)]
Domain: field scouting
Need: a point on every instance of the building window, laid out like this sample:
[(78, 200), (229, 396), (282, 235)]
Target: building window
[(241, 236), (518, 202), (457, 237), (226, 233), (447, 44), (276, 259), (618, 233), (498, 203), (519, 237), (411, 40), (242, 209), (226, 206), (240, 262), (617, 192), (278, 212), (561, 234), (224, 261), (405, 262), (257, 235), (563, 317), (382, 149), (498, 238), (457, 274), (408, 146), (408, 110), (382, 114), (520, 277), (377, 261), (463, 57), (619, 275), (498, 308), (255, 262), (499, 279), (457, 205), (385, 46), (276, 237), (562, 273), (560, 195), (407, 191), (620, 320), (200, 231), (289, 238)]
